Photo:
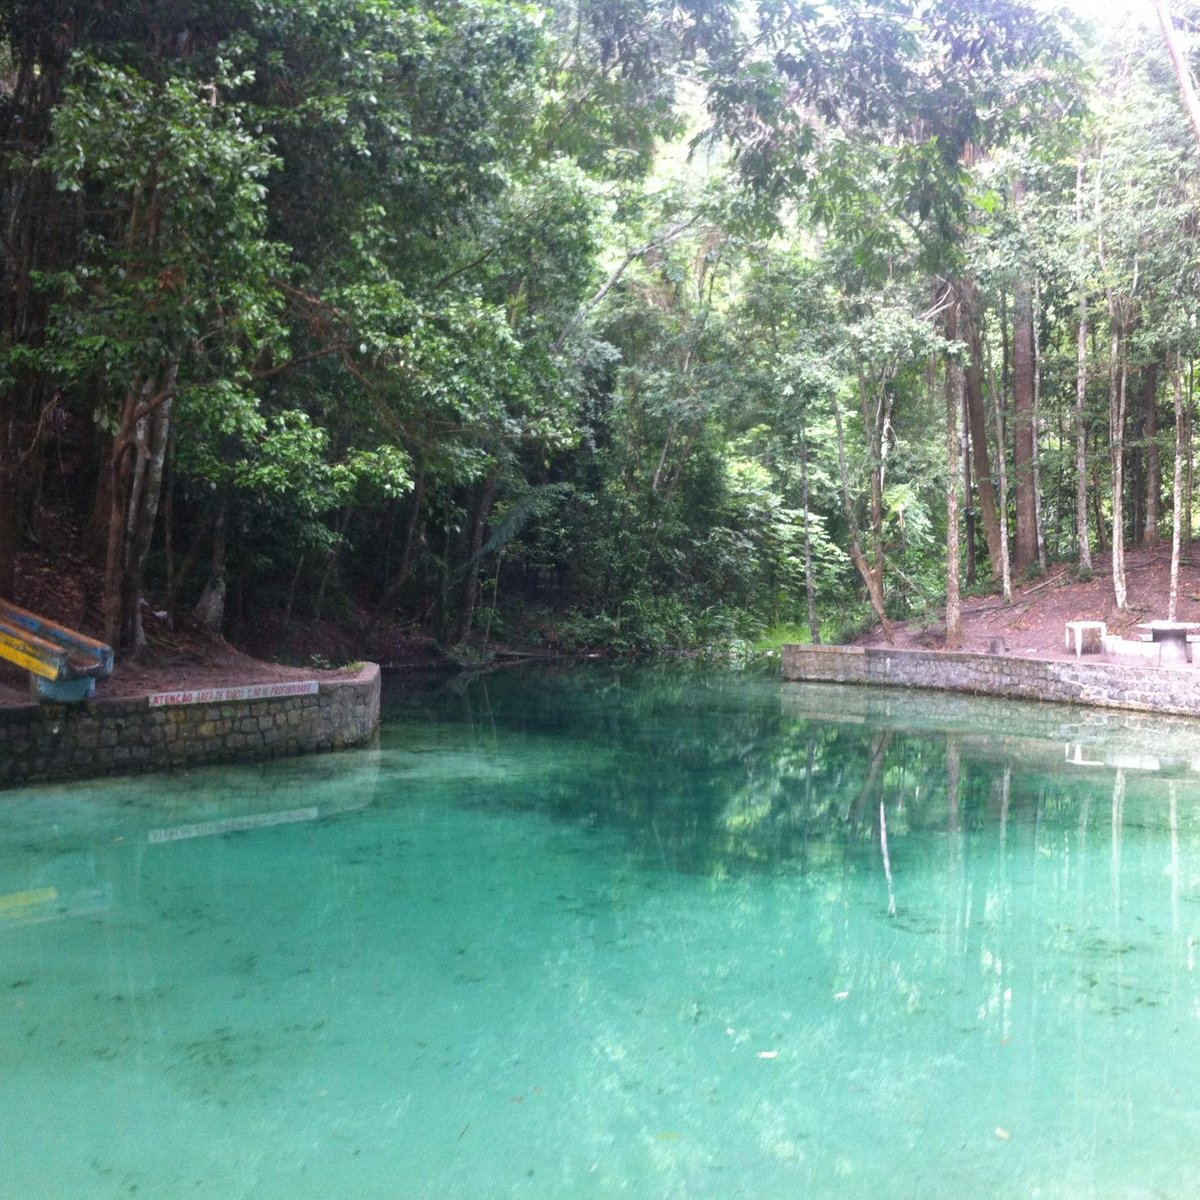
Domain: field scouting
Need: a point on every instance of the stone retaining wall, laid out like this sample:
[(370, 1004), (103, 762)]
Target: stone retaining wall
[(1075, 681), (41, 742)]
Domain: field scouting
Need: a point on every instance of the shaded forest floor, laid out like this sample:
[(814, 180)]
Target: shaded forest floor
[(1033, 625), (59, 582)]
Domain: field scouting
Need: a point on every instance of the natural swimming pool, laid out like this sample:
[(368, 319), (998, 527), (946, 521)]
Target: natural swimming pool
[(655, 933)]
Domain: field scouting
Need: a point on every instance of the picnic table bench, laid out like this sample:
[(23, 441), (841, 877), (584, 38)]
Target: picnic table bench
[(63, 663), (1171, 637), (1078, 632)]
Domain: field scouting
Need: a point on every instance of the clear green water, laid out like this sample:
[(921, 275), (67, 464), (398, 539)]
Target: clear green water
[(614, 933)]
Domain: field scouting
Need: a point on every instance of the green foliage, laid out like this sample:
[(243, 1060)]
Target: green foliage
[(868, 110), (438, 293), (177, 269)]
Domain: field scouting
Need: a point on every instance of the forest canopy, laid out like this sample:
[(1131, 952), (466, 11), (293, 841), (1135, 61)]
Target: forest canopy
[(633, 323)]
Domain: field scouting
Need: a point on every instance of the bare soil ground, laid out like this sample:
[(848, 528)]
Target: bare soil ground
[(65, 587), (188, 661), (1033, 625)]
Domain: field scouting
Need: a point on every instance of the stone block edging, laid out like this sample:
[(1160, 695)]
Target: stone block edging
[(45, 742), (1077, 681)]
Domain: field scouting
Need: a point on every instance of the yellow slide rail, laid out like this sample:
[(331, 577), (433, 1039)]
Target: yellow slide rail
[(64, 663)]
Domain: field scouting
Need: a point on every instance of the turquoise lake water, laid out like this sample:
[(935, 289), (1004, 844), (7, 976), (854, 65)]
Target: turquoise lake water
[(617, 933)]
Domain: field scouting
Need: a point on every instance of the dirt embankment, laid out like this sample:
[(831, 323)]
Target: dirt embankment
[(271, 649), (1034, 623)]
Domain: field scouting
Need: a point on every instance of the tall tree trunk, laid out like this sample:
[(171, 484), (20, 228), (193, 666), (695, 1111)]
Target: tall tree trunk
[(183, 572), (1117, 382), (119, 470), (874, 426), (331, 562), (143, 513), (971, 332), (210, 608), (168, 523), (1097, 492), (1153, 475), (470, 587), (136, 468), (1183, 74), (810, 589), (293, 587), (1189, 476), (1002, 483), (1037, 425), (10, 505), (1082, 533), (1024, 439), (408, 557), (954, 399), (1176, 495), (965, 466), (871, 580)]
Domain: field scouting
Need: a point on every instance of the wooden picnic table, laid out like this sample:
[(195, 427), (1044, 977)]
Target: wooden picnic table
[(1171, 638)]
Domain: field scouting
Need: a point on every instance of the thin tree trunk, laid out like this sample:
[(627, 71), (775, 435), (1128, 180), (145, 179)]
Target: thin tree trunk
[(95, 533), (142, 519), (810, 590), (1153, 479), (407, 558), (872, 582), (291, 596), (968, 508), (1118, 376), (954, 402), (1039, 524), (1082, 533), (136, 465), (1183, 74), (1024, 438), (153, 430), (874, 427), (1002, 483), (954, 388), (118, 493), (470, 588), (972, 333), (1176, 495), (343, 519), (210, 608), (169, 527), (1098, 510), (1061, 515), (1188, 420), (183, 573), (9, 503)]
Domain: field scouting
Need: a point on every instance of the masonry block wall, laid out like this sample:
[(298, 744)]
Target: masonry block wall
[(43, 742), (1077, 681)]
